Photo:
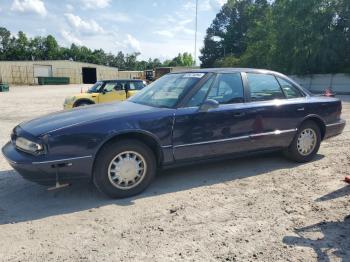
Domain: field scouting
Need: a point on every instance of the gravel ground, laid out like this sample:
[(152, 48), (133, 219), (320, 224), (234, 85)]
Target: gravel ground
[(260, 208)]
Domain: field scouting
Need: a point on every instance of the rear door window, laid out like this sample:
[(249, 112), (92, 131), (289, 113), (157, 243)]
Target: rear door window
[(264, 87), (135, 85)]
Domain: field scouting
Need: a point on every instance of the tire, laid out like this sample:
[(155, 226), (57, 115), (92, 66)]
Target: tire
[(295, 150), (121, 161)]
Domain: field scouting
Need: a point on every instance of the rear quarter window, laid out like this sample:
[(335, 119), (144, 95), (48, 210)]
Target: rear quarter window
[(289, 90)]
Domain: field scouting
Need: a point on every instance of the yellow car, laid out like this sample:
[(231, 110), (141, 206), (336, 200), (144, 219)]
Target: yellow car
[(104, 92)]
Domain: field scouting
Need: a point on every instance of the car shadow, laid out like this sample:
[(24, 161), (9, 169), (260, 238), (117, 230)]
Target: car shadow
[(344, 191), (325, 238), (21, 200)]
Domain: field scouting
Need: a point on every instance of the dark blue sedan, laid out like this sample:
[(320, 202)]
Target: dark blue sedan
[(180, 118)]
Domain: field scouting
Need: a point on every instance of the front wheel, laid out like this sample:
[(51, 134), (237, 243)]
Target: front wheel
[(83, 103), (124, 168), (305, 144)]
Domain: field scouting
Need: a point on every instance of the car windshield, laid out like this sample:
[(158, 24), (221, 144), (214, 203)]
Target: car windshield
[(95, 88), (167, 90)]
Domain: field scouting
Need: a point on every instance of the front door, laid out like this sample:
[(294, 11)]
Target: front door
[(219, 131), (112, 91)]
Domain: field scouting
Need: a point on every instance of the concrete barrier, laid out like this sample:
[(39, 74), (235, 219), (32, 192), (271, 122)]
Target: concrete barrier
[(340, 83)]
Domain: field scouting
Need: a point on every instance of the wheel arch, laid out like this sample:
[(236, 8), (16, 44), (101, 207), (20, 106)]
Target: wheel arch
[(145, 137), (83, 100), (318, 120)]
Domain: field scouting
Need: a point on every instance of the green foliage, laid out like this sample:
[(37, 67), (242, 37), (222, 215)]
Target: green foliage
[(290, 36), (227, 61), (184, 59), (47, 48)]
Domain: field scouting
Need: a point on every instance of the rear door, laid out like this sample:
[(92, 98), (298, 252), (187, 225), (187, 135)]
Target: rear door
[(276, 107), (218, 131)]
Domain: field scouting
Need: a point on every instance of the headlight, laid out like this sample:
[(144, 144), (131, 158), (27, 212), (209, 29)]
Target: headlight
[(27, 145), (69, 100)]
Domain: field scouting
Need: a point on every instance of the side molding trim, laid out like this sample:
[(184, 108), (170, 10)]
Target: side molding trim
[(276, 132), (61, 160), (336, 124)]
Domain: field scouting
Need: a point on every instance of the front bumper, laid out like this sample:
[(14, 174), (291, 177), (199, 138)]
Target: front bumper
[(334, 129), (42, 169), (67, 106)]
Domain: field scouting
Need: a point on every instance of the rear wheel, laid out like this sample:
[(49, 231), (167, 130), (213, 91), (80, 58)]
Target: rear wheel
[(124, 168), (306, 143)]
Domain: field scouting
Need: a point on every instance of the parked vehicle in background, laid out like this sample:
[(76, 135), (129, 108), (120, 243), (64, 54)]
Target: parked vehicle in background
[(149, 75), (179, 119), (160, 71), (104, 92)]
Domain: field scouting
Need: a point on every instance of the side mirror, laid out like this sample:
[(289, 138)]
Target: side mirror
[(103, 91), (208, 104)]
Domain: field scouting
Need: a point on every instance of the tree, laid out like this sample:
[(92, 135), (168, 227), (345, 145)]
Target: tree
[(5, 39), (120, 60), (184, 59), (51, 48), (131, 61), (227, 33), (291, 36), (187, 59), (46, 48)]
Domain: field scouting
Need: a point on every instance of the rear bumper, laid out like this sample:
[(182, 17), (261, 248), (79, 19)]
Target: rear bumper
[(334, 129), (42, 169)]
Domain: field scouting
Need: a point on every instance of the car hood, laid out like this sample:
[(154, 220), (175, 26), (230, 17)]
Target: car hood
[(76, 116), (79, 96)]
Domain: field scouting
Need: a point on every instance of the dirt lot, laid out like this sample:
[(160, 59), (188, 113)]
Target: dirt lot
[(260, 208)]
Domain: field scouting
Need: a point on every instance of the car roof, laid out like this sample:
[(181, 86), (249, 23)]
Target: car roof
[(226, 70), (239, 70), (116, 80)]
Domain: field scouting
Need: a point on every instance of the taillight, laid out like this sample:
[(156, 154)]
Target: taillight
[(340, 107)]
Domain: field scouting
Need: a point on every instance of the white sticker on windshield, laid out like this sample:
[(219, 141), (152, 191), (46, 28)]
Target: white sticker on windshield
[(193, 75)]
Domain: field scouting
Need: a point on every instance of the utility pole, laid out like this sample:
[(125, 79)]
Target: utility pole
[(195, 36)]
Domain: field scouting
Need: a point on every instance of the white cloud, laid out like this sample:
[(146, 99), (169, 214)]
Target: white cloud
[(179, 27), (70, 38), (185, 22), (115, 17), (165, 33), (92, 4), (217, 4), (205, 5), (69, 7), (29, 6), (131, 44), (88, 27), (41, 31), (134, 43)]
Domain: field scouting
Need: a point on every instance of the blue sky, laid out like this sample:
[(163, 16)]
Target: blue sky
[(156, 28)]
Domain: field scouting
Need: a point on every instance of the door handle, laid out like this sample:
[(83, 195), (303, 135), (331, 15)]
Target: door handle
[(301, 109), (240, 114)]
